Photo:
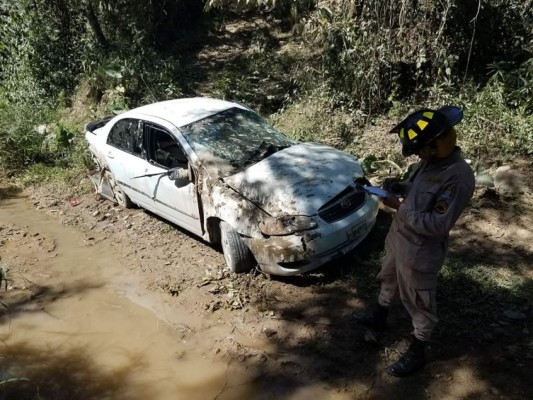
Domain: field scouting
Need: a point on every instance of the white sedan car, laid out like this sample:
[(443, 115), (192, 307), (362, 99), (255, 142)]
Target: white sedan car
[(217, 169)]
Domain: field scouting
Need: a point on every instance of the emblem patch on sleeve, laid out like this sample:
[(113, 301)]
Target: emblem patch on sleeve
[(444, 199), (441, 206)]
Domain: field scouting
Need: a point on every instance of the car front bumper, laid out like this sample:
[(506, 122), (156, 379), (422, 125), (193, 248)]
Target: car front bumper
[(305, 251)]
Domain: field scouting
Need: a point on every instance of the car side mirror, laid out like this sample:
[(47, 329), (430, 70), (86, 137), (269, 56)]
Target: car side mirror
[(180, 176)]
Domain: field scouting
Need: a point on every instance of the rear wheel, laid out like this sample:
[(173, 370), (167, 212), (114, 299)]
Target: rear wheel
[(122, 198), (238, 256)]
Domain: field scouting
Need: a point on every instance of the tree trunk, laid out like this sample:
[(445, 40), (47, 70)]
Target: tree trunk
[(95, 26)]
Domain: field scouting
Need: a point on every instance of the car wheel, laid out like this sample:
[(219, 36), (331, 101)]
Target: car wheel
[(122, 198), (238, 256)]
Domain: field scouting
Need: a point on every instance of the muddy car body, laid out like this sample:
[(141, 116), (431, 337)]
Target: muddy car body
[(221, 172)]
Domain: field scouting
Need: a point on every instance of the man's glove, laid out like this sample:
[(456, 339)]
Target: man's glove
[(361, 180), (392, 185)]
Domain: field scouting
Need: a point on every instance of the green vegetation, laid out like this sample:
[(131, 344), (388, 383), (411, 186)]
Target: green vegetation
[(358, 63), (337, 72)]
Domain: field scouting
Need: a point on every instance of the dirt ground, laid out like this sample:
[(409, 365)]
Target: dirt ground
[(297, 337)]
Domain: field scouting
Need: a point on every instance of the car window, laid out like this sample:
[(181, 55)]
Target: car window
[(127, 135), (163, 149), (234, 137)]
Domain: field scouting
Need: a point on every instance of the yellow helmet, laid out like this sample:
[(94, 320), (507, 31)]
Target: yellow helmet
[(424, 126)]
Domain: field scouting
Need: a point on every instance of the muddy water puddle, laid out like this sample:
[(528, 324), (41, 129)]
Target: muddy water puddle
[(79, 325)]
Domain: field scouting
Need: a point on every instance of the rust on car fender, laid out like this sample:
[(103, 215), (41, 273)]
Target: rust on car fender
[(277, 249), (220, 201)]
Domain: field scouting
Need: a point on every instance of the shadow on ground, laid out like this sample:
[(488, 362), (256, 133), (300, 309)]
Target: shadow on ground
[(477, 352), (29, 371), (9, 192), (237, 61)]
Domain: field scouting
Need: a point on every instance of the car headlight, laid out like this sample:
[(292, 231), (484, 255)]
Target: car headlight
[(286, 225)]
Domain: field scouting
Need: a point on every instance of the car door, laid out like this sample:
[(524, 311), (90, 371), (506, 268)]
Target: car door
[(173, 201), (126, 158)]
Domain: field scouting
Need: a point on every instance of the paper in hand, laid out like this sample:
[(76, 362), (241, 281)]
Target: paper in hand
[(376, 190)]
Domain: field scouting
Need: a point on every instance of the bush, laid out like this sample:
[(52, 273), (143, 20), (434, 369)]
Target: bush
[(492, 130), (377, 51), (20, 138), (29, 139)]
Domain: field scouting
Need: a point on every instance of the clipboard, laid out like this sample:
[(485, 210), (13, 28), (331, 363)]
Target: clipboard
[(376, 190)]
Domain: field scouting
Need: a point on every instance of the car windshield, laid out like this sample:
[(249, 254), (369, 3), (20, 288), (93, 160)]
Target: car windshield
[(232, 140)]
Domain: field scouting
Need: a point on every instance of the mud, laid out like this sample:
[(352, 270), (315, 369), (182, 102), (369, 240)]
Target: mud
[(111, 303), (75, 303)]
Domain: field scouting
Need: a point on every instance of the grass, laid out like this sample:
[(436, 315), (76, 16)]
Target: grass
[(473, 296), (39, 174)]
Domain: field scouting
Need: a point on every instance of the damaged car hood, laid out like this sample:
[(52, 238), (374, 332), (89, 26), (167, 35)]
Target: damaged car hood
[(297, 180)]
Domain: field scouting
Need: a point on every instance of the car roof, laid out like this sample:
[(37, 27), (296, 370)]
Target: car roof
[(181, 112)]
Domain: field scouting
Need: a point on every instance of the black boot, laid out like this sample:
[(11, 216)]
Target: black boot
[(376, 319), (413, 360)]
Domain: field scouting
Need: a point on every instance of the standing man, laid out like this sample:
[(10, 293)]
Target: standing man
[(434, 196)]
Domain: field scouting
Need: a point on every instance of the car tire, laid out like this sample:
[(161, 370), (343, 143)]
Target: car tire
[(238, 256), (121, 198)]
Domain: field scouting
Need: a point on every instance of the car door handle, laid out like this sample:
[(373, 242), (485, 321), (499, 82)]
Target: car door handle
[(110, 155)]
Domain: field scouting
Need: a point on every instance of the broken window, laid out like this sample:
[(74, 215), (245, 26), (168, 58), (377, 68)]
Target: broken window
[(164, 149), (236, 137), (127, 135)]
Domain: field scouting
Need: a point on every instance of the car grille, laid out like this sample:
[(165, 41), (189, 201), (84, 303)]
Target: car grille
[(339, 208)]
